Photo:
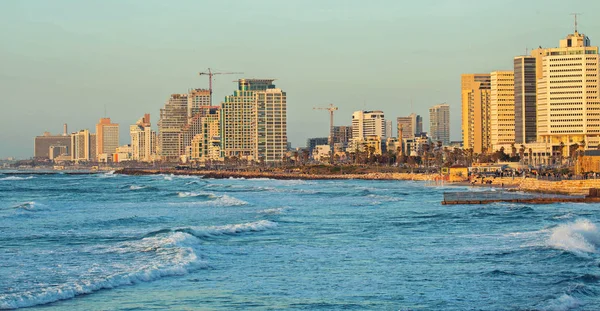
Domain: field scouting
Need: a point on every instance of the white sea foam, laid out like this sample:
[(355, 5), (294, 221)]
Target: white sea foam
[(216, 200), (108, 174), (16, 178), (580, 237), (177, 255), (136, 187), (29, 206), (191, 194), (256, 226), (565, 216), (226, 200), (563, 303)]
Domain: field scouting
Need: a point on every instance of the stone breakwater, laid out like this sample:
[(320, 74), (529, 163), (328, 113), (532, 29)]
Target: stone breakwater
[(571, 187)]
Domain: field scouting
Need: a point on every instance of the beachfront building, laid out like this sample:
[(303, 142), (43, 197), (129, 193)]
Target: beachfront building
[(439, 123), (568, 107), (254, 122), (122, 154), (83, 146), (525, 99), (206, 144), (409, 126), (502, 108), (107, 138), (143, 140), (367, 123), (475, 102), (43, 145), (173, 117), (196, 126), (198, 101)]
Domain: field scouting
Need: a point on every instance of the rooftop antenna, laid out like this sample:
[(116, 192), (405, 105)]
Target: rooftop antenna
[(575, 15)]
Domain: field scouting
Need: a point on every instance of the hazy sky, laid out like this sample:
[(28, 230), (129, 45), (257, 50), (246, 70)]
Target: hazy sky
[(64, 61)]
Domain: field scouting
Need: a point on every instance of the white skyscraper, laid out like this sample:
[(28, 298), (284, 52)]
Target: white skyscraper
[(366, 123)]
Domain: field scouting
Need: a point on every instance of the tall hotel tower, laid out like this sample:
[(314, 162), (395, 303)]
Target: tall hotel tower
[(254, 122), (502, 108), (568, 109), (475, 93), (107, 137)]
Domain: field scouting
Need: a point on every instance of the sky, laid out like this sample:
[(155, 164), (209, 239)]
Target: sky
[(70, 61)]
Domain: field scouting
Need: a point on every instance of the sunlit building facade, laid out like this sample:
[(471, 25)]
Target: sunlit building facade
[(254, 122), (502, 108), (475, 102)]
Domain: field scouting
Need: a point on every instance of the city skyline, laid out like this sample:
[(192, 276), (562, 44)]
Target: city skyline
[(124, 77)]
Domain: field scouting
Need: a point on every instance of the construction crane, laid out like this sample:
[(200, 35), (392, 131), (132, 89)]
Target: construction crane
[(331, 108), (210, 75)]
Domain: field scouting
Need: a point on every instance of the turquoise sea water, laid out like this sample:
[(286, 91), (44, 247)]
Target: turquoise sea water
[(108, 242)]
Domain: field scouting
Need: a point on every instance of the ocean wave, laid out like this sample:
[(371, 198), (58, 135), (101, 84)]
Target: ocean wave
[(109, 174), (238, 188), (191, 194), (563, 303), (580, 237), (29, 206), (16, 178), (180, 248), (212, 231), (136, 187), (215, 200), (273, 211), (257, 226), (564, 216)]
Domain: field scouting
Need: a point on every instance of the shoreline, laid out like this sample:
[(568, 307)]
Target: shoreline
[(568, 187)]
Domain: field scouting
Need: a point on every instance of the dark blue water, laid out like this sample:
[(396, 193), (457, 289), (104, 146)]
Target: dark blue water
[(109, 242)]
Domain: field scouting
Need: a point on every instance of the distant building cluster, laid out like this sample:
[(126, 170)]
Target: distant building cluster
[(371, 134), (545, 108), (249, 125)]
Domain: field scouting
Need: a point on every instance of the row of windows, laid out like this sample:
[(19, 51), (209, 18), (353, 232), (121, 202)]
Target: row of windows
[(566, 87), (566, 76), (566, 70), (574, 131), (567, 125), (572, 92), (566, 115)]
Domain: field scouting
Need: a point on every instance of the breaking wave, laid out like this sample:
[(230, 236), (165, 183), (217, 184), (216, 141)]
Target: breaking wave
[(29, 206), (215, 200), (176, 254), (563, 303), (580, 237), (213, 231), (192, 194), (16, 178)]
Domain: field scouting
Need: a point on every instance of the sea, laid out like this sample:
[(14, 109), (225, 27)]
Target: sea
[(164, 242)]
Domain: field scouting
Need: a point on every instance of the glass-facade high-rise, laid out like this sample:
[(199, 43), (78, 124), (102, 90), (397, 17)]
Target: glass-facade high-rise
[(525, 99)]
